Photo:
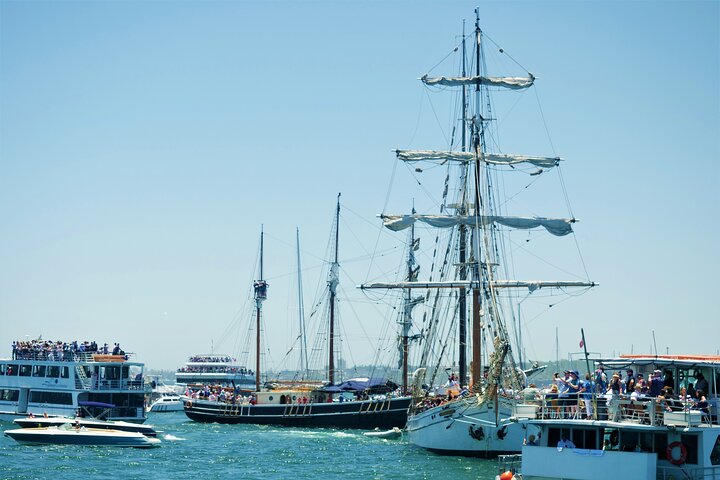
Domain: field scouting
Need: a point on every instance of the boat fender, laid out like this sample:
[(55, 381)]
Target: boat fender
[(676, 460)]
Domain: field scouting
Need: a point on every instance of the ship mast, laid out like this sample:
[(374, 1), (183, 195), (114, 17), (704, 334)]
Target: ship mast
[(260, 288), (476, 371), (332, 286), (301, 312), (462, 232)]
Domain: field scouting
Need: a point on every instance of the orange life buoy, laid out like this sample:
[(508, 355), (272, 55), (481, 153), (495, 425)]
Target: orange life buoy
[(188, 404), (669, 453)]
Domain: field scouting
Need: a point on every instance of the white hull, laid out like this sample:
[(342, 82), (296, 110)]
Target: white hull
[(164, 405), (67, 435), (465, 428)]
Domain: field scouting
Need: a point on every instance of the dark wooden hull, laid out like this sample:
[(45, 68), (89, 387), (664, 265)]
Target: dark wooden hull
[(367, 414)]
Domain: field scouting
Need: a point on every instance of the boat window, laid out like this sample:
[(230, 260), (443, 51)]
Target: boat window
[(59, 398), (715, 454), (661, 444), (38, 371), (585, 438), (646, 442), (9, 395), (11, 370), (691, 443), (554, 436), (611, 439), (629, 441), (25, 370), (65, 372), (53, 371), (2, 369)]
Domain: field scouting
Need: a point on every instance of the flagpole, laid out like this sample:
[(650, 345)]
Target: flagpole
[(587, 366)]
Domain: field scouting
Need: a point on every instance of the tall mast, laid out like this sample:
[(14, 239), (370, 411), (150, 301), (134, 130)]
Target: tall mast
[(476, 323), (332, 285), (260, 287), (407, 312), (462, 231), (301, 311)]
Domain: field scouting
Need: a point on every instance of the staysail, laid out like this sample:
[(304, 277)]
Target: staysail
[(556, 226)]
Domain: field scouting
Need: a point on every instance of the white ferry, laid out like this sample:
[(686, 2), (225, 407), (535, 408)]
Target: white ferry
[(62, 381), (659, 437), (216, 369)]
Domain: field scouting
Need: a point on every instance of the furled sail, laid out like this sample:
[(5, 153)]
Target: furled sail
[(411, 156), (515, 83), (556, 226)]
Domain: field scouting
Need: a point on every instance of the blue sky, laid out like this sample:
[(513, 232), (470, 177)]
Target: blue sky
[(142, 145)]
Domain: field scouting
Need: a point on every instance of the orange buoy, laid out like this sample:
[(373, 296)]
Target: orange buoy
[(507, 475)]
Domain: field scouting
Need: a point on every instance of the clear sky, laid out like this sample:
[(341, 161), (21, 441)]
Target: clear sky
[(143, 144)]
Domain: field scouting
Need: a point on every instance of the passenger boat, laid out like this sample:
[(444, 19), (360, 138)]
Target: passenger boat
[(68, 434), (55, 378), (650, 438), (468, 303), (370, 402), (215, 369)]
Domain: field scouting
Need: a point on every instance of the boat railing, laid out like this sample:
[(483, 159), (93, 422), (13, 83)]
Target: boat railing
[(689, 472), (69, 356), (647, 410)]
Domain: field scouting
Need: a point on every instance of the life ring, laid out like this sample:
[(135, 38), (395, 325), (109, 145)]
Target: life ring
[(669, 453), (188, 404)]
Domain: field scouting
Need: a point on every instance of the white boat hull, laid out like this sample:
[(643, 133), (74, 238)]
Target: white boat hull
[(468, 429), (80, 436)]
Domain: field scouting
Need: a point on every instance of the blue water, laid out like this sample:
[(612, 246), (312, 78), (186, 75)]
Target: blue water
[(210, 451)]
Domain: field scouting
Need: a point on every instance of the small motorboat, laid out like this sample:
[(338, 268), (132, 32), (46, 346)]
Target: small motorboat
[(68, 434), (395, 432), (56, 421), (169, 402)]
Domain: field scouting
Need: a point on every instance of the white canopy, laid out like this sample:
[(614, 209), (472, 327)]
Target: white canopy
[(556, 226)]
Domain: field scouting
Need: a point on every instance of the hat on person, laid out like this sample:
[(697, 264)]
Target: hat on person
[(657, 372), (574, 372), (629, 370), (639, 374)]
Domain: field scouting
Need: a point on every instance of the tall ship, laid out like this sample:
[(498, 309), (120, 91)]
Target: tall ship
[(71, 378), (463, 322), (215, 369), (363, 403)]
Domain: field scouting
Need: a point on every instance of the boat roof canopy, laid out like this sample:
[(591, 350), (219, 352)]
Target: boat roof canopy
[(374, 385), (710, 361)]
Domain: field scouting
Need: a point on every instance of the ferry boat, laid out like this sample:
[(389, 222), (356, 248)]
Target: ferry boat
[(651, 437), (215, 369), (61, 381)]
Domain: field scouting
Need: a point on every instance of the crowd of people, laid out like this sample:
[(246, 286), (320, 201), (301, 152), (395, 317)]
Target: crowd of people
[(60, 351), (570, 396)]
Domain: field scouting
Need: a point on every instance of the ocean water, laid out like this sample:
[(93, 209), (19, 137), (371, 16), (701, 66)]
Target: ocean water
[(210, 451)]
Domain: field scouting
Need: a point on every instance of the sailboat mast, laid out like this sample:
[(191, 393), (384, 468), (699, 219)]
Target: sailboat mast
[(407, 314), (476, 323), (301, 311), (260, 287), (332, 283), (462, 253)]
